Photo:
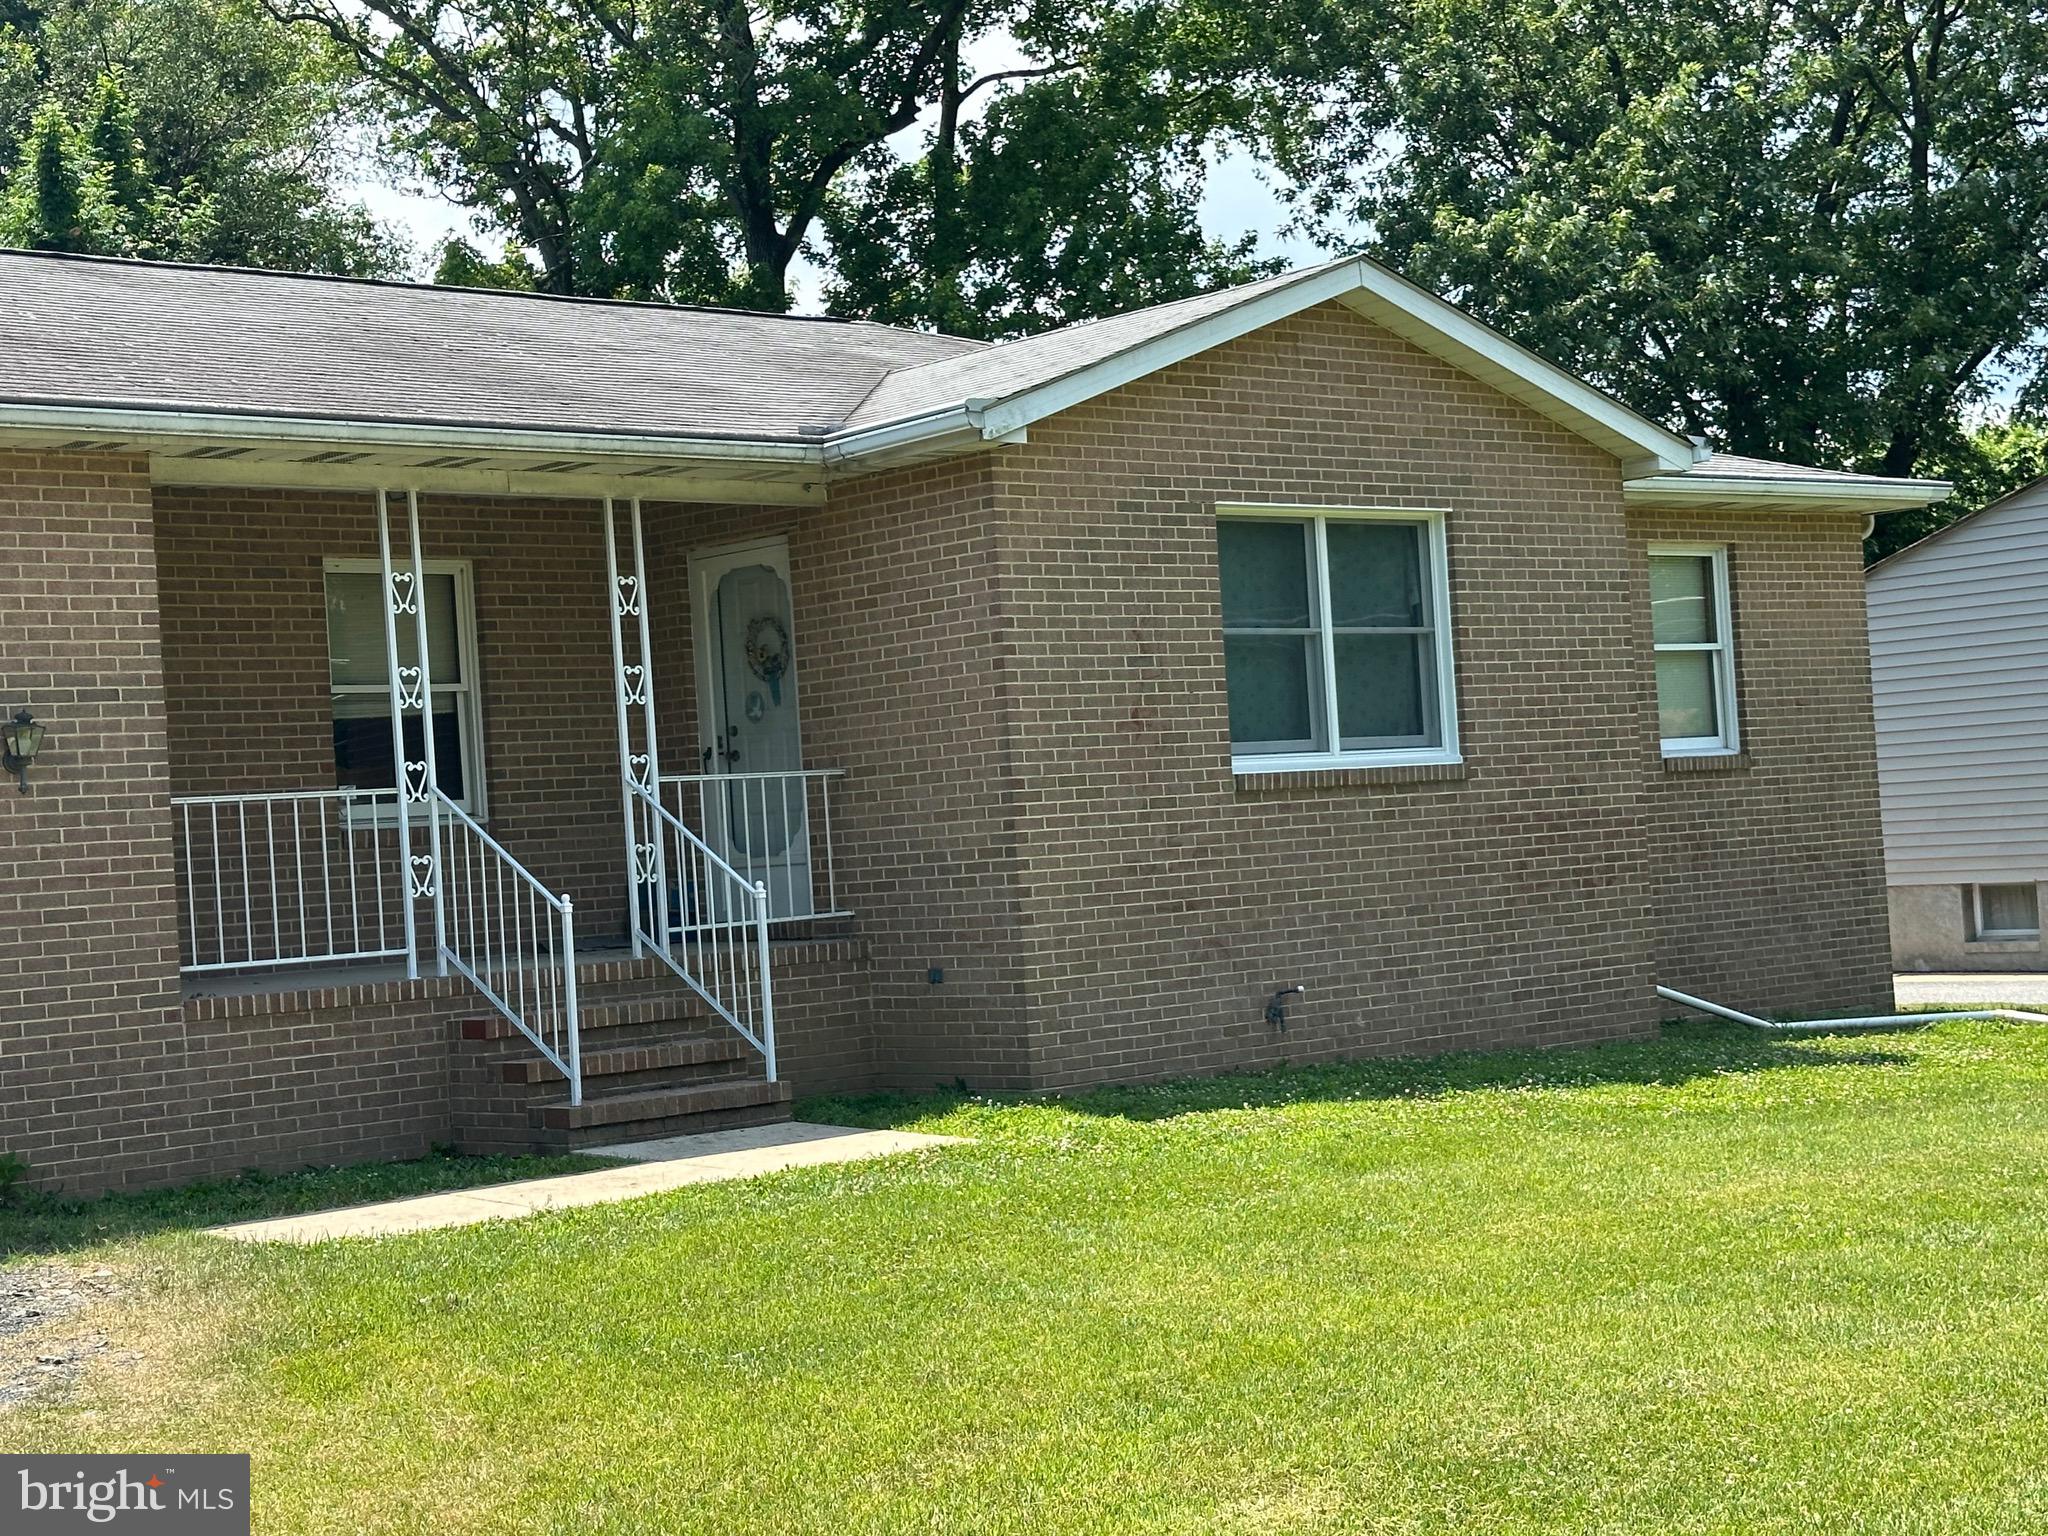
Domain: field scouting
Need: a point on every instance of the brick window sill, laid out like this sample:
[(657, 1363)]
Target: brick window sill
[(1708, 762), (1254, 784)]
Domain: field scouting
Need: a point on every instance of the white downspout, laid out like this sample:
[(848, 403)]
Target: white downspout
[(1880, 1021)]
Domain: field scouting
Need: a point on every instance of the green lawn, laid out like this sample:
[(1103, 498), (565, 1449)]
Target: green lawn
[(1715, 1282)]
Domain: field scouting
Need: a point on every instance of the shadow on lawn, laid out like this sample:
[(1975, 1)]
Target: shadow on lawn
[(1682, 1052), (36, 1223)]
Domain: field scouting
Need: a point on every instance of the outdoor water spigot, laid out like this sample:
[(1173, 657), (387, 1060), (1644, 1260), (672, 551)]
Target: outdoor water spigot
[(1276, 1006)]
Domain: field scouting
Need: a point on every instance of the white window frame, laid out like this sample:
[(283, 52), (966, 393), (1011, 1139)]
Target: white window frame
[(1729, 742), (468, 693), (1980, 934), (1438, 586)]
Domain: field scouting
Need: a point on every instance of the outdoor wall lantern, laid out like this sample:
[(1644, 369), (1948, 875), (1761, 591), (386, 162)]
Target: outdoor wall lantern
[(23, 739)]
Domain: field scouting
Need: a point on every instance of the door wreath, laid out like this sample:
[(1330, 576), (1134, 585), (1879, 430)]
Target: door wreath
[(767, 652)]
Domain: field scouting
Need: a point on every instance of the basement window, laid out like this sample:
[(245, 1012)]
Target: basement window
[(2005, 912), (360, 679), (1336, 638)]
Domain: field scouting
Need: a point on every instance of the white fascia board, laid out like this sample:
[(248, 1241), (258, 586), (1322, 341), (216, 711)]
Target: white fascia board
[(931, 432), (1446, 331), (153, 426), (1148, 357), (1861, 495), (1381, 295)]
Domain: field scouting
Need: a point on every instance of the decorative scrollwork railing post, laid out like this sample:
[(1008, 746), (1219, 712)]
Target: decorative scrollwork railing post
[(639, 769)]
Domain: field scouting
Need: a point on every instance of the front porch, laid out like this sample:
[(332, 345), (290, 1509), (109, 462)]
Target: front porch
[(398, 796), (360, 1060)]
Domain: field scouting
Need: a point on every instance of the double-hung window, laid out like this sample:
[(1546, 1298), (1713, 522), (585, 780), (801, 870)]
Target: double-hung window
[(1692, 631), (1336, 638), (360, 678)]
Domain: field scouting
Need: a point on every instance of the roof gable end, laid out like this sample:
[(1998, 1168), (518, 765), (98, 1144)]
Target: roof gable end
[(998, 393)]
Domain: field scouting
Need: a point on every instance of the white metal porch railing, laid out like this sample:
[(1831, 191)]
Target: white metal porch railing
[(302, 877), (512, 938), (325, 876), (775, 830), (705, 919)]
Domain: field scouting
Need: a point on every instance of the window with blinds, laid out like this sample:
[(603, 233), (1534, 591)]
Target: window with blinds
[(359, 678)]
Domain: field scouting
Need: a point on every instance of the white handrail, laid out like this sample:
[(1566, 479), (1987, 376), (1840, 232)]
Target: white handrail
[(777, 828), (287, 877), (518, 948), (717, 941)]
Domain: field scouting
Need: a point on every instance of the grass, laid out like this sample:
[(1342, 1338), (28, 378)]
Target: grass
[(33, 1223), (1708, 1283)]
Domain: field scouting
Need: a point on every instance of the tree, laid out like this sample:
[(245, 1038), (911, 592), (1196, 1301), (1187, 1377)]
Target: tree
[(206, 132), (694, 149), (462, 265), (116, 145), (1076, 193), (52, 201), (1808, 231), (1989, 463)]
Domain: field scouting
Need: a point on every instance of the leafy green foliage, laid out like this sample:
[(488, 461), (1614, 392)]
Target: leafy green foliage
[(196, 130), (1801, 231), (462, 265), (696, 149), (87, 192), (1075, 195), (52, 196), (1989, 463)]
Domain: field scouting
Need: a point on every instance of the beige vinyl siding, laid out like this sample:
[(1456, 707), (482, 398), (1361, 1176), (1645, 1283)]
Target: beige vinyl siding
[(1959, 662)]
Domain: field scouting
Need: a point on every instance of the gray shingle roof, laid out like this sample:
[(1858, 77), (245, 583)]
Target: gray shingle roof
[(114, 333), (1737, 466), (88, 332), (1000, 372)]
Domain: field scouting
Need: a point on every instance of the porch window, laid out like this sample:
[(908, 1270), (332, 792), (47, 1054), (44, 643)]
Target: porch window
[(1694, 639), (361, 683), (1336, 638)]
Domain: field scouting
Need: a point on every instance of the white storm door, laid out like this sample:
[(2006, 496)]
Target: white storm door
[(756, 814)]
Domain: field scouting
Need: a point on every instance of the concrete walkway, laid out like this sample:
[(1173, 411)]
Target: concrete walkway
[(651, 1167), (2028, 989)]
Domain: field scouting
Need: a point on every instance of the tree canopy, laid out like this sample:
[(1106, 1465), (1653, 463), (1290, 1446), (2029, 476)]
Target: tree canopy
[(198, 130), (697, 149), (1816, 231)]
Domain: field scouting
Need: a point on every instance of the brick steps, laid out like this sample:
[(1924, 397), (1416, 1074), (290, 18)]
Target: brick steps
[(663, 1104), (633, 1059), (656, 1062), (597, 1016)]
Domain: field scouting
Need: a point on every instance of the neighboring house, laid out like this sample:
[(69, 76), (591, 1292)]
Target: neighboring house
[(1959, 657), (729, 701)]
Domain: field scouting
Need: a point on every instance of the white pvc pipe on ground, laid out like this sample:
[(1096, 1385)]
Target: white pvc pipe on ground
[(1880, 1021)]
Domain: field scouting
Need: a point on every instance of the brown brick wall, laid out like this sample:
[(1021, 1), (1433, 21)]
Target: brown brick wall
[(1163, 901), (1768, 875), (901, 652), (90, 1036), (245, 660), (1017, 657)]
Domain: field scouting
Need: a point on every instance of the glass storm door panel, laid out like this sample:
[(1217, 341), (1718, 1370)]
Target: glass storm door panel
[(757, 819)]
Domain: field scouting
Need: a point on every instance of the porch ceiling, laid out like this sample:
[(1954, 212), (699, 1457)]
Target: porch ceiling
[(324, 456)]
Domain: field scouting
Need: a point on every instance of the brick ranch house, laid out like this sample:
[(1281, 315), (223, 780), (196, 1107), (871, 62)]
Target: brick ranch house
[(510, 721)]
